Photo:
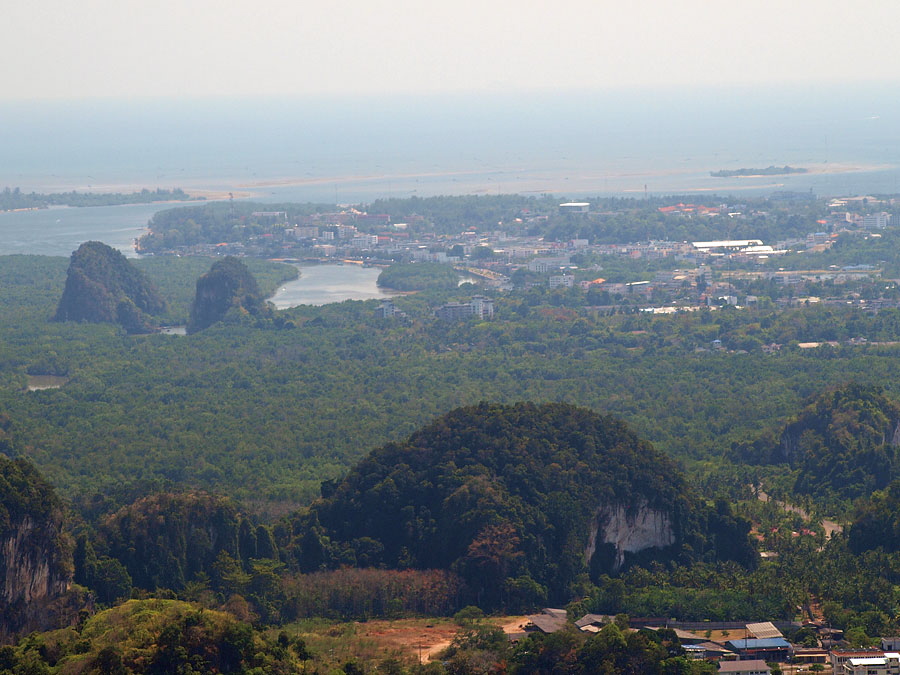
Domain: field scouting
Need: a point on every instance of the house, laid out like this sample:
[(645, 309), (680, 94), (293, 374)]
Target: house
[(388, 310), (876, 220), (545, 265), (593, 623), (548, 621), (752, 667)]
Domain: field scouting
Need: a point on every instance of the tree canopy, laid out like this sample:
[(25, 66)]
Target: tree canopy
[(102, 286), (507, 496)]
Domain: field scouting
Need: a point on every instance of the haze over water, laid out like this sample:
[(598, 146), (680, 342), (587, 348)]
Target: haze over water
[(351, 150), (615, 139)]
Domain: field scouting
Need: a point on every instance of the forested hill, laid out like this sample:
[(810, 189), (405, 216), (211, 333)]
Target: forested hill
[(845, 441), (228, 286), (103, 287), (522, 499), (841, 446)]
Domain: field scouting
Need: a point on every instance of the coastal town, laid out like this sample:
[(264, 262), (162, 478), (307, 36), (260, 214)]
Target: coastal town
[(653, 275)]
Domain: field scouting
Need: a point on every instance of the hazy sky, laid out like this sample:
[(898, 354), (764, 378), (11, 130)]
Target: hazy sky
[(77, 48)]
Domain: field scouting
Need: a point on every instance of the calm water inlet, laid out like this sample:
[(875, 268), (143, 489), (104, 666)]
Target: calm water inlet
[(323, 284)]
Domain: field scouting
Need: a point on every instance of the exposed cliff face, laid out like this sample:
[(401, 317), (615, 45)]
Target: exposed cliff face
[(629, 531), (103, 287), (33, 569), (227, 287), (35, 555)]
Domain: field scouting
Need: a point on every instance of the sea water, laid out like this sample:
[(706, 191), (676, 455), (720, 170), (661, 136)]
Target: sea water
[(355, 150)]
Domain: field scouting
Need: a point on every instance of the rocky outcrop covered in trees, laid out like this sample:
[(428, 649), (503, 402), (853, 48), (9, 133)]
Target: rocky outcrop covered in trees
[(103, 287), (227, 289), (519, 500)]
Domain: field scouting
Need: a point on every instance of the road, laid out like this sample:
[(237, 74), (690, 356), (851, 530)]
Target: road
[(829, 526)]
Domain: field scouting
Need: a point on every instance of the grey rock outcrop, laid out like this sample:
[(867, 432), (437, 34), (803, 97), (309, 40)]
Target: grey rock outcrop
[(35, 554), (629, 531)]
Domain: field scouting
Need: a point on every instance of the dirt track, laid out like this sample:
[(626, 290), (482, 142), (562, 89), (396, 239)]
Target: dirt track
[(829, 526), (510, 625)]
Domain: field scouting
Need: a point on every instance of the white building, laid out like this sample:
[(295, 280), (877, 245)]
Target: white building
[(364, 241), (889, 664), (387, 310), (727, 244), (840, 658), (562, 281), (544, 265), (876, 221), (326, 250), (304, 232), (483, 307), (575, 207), (479, 307)]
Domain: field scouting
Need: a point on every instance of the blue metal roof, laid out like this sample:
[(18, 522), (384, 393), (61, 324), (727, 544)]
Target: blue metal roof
[(760, 643)]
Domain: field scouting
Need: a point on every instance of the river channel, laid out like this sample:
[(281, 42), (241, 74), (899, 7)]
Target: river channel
[(324, 284)]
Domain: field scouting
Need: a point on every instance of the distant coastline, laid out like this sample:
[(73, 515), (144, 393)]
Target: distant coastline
[(13, 200), (16, 200), (753, 173)]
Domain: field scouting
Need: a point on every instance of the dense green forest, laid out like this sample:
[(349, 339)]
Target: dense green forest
[(273, 469), (843, 445), (201, 548), (267, 413), (504, 495), (156, 637), (419, 277), (215, 222), (283, 465)]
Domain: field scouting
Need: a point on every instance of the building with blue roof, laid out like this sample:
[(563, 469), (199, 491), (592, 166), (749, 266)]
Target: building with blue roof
[(768, 649)]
